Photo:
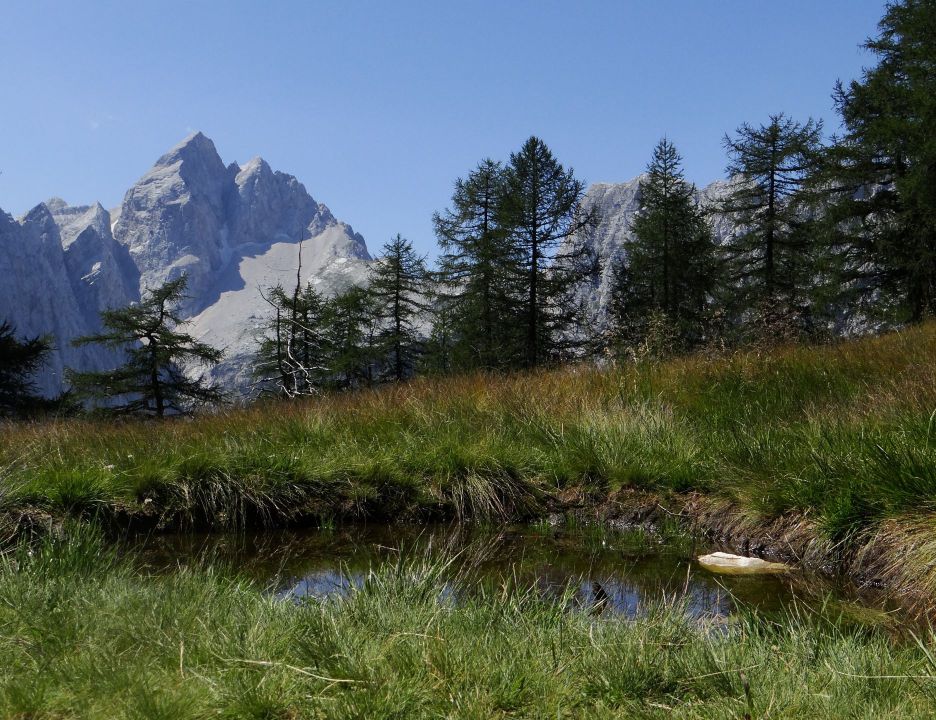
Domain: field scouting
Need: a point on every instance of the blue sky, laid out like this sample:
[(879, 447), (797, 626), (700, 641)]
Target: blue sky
[(378, 106)]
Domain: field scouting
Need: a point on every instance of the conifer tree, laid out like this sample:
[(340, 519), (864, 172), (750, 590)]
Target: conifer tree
[(352, 325), (881, 174), (20, 360), (398, 286), (670, 264), (547, 224), (444, 350), (768, 259), (475, 271), (153, 380), (626, 318)]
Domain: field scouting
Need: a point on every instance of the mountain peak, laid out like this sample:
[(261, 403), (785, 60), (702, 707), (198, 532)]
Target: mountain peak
[(39, 215), (230, 229), (56, 204), (196, 145), (254, 165)]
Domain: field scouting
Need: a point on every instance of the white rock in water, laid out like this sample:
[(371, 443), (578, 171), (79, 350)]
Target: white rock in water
[(728, 564)]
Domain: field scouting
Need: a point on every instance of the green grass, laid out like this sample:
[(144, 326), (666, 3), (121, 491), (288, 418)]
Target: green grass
[(835, 443), (841, 438), (86, 634)]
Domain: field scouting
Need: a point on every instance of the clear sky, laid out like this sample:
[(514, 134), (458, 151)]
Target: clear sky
[(378, 106)]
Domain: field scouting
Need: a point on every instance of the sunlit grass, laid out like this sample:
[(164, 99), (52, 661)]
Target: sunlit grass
[(844, 433), (86, 634)]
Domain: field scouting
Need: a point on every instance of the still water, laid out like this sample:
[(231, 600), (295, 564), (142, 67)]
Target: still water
[(593, 568)]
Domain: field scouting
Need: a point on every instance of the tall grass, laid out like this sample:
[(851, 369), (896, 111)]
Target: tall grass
[(86, 634), (844, 434)]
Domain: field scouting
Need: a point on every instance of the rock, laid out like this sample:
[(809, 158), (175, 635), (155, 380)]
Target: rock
[(36, 292), (728, 564), (231, 229)]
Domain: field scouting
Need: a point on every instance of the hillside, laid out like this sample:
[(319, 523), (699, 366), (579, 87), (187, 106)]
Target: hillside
[(785, 452)]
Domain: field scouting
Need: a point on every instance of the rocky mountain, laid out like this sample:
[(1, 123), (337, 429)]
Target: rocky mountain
[(232, 230)]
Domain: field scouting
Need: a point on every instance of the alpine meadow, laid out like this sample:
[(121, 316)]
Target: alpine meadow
[(616, 450)]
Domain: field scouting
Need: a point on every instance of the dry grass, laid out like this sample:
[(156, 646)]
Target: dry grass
[(816, 447)]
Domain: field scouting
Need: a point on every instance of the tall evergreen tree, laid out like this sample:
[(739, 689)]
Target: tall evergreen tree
[(880, 176), (670, 259), (474, 273), (398, 287), (20, 360), (768, 259), (542, 210), (153, 381)]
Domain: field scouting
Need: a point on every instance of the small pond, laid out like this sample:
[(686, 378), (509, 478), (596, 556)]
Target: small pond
[(616, 571)]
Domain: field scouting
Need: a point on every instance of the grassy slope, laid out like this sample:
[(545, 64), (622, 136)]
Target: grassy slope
[(844, 434), (85, 635)]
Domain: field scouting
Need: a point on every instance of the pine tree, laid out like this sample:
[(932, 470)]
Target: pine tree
[(153, 381), (881, 174), (474, 273), (542, 211), (398, 287), (768, 260), (20, 360), (670, 263)]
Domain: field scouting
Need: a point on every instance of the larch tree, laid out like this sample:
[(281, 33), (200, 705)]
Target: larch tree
[(879, 177), (398, 287), (473, 280), (155, 380), (548, 226), (352, 333), (670, 259), (768, 260)]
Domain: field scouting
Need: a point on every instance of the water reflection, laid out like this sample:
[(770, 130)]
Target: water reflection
[(598, 570)]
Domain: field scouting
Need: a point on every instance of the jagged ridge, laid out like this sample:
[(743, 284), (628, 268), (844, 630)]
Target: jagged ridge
[(232, 230)]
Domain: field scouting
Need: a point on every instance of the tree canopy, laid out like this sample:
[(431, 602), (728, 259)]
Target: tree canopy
[(155, 380), (20, 360), (667, 270), (767, 259), (880, 175), (548, 227)]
